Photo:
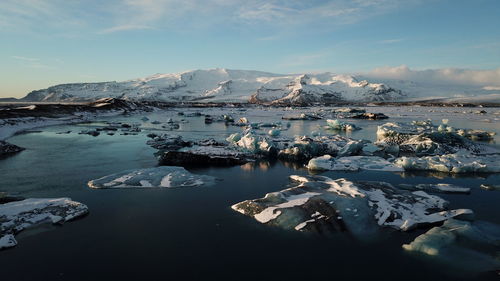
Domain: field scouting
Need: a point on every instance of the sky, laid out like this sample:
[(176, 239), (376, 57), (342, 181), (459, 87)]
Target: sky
[(48, 42)]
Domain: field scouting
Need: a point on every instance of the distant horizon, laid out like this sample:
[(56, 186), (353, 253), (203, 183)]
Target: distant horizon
[(51, 42)]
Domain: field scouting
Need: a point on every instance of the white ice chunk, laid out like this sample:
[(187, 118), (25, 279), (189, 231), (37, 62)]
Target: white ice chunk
[(163, 176), (291, 201), (460, 162), (352, 163)]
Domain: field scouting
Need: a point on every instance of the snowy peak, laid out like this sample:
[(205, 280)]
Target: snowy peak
[(226, 85)]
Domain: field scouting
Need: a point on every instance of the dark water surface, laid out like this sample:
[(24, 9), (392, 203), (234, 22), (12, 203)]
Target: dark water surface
[(192, 233)]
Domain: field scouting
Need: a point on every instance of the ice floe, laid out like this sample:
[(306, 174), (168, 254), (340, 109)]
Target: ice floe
[(165, 176), (167, 142), (322, 204), (473, 246), (460, 162), (19, 215), (490, 187), (436, 188), (422, 138), (335, 124), (204, 155), (352, 163)]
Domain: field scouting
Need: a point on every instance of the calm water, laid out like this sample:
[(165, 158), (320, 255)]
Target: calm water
[(191, 233)]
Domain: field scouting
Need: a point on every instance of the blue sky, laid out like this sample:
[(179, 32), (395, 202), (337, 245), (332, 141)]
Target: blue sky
[(47, 42)]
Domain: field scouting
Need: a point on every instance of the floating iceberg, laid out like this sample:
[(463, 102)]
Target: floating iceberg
[(460, 162), (19, 215), (469, 245), (334, 124), (165, 176), (352, 163), (422, 138), (305, 148), (490, 187), (167, 142), (204, 155), (324, 205)]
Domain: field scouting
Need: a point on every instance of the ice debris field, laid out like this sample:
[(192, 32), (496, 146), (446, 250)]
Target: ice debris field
[(316, 140)]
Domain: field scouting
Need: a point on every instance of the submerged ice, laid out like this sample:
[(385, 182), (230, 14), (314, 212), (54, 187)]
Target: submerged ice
[(471, 245)]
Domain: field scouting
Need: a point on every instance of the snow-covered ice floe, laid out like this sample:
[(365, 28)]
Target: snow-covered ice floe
[(19, 215), (321, 204), (460, 162), (352, 163), (164, 176), (422, 138), (474, 246)]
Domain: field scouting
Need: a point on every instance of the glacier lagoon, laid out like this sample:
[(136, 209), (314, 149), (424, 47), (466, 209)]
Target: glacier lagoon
[(191, 232)]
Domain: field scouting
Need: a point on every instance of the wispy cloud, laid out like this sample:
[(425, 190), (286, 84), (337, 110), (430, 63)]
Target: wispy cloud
[(390, 41), (124, 15), (125, 27), (24, 58), (38, 14), (36, 63), (165, 13)]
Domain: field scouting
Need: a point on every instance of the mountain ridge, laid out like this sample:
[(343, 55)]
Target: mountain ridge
[(222, 85)]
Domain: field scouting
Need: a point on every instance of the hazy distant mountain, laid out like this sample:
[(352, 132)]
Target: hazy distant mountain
[(225, 85)]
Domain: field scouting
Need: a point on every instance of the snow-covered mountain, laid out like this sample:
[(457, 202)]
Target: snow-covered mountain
[(225, 85)]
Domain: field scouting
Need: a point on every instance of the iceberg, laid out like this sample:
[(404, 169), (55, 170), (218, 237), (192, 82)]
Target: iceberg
[(335, 124), (468, 245), (490, 187), (165, 176), (19, 215), (352, 163), (204, 155), (321, 204), (460, 162), (436, 188), (422, 138), (167, 142)]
